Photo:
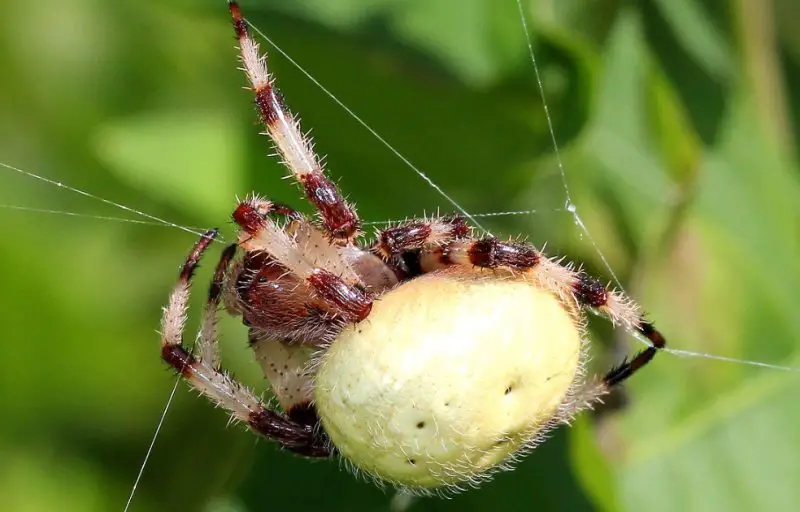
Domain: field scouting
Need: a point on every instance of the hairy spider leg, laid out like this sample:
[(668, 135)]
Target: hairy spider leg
[(266, 208), (418, 233), (332, 279), (297, 431), (207, 346), (592, 293), (338, 216)]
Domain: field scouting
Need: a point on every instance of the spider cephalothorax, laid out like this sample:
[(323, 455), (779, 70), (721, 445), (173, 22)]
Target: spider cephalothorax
[(427, 358)]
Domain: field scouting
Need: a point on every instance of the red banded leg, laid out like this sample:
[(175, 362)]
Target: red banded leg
[(279, 305), (592, 293), (207, 346), (266, 208), (523, 258), (417, 234), (338, 216), (332, 279), (296, 431)]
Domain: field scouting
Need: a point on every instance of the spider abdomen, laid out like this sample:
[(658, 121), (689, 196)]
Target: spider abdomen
[(451, 375)]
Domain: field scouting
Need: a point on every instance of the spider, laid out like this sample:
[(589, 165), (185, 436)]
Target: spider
[(428, 359)]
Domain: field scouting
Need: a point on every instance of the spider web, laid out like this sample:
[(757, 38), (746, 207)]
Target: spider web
[(143, 218)]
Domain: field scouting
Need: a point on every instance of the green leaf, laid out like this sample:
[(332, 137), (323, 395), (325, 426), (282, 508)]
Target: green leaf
[(191, 160), (713, 435), (460, 34), (593, 469), (618, 135), (341, 14), (698, 36), (477, 40), (739, 454)]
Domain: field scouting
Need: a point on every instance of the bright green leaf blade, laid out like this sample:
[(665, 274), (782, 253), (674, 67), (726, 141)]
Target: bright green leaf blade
[(592, 468), (698, 36), (721, 436), (618, 136), (477, 40), (192, 160), (342, 14), (741, 454)]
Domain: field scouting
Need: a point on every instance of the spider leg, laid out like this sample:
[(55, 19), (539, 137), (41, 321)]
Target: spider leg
[(297, 431), (592, 293), (338, 216), (309, 256), (416, 234), (207, 345), (564, 281), (266, 208), (281, 307)]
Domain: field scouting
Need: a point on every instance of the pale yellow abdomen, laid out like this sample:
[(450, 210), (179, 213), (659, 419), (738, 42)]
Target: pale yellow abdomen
[(447, 378)]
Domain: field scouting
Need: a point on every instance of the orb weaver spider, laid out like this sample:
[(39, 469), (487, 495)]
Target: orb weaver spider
[(428, 358)]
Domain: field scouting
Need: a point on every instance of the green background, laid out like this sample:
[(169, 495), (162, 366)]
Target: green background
[(677, 122)]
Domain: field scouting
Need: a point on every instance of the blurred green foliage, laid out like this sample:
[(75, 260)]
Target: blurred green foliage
[(677, 122)]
